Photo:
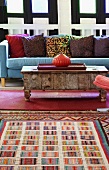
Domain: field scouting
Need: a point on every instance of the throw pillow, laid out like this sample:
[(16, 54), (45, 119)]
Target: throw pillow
[(82, 47), (16, 48), (101, 46), (34, 46), (56, 45)]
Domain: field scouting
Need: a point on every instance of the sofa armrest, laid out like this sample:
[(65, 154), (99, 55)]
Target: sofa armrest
[(4, 54)]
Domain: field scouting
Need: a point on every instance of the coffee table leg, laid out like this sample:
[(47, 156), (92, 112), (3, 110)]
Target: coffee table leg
[(102, 95), (27, 95)]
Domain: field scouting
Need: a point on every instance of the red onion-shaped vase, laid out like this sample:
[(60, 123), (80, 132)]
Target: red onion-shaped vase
[(61, 60)]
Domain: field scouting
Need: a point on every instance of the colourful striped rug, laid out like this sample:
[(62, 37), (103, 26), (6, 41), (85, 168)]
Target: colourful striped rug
[(53, 145), (103, 117)]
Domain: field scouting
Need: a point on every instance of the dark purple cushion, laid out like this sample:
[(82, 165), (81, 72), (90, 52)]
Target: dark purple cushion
[(82, 47), (34, 46), (101, 46)]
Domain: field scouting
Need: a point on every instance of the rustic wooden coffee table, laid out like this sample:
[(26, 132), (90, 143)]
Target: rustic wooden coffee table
[(35, 79)]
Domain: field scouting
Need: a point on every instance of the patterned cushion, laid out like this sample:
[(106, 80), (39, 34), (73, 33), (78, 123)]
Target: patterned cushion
[(34, 46), (101, 46), (82, 47), (56, 45), (16, 45)]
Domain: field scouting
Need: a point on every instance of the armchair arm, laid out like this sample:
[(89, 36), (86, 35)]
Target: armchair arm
[(3, 58)]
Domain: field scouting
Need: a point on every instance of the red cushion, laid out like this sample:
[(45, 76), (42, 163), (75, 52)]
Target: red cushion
[(102, 82), (16, 45)]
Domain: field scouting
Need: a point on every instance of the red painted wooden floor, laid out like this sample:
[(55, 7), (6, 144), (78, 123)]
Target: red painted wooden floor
[(61, 101)]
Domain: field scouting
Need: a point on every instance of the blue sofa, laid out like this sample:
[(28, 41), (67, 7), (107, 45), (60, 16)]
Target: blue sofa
[(11, 67)]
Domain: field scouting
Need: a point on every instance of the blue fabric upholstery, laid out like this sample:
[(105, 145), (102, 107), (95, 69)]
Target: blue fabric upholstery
[(12, 73), (92, 61), (18, 63), (3, 58)]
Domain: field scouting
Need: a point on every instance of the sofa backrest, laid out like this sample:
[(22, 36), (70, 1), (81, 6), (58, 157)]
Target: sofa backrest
[(85, 30)]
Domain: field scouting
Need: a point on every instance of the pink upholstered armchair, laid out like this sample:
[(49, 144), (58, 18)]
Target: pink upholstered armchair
[(102, 83)]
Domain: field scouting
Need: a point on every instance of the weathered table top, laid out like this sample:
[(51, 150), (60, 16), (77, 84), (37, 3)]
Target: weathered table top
[(28, 69)]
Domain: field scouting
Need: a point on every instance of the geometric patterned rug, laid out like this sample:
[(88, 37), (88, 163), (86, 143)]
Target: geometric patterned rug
[(53, 145), (103, 117)]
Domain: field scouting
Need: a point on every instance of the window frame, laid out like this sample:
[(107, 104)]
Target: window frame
[(100, 14), (28, 16)]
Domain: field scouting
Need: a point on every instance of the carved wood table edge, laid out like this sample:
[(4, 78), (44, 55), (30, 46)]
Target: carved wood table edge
[(35, 79)]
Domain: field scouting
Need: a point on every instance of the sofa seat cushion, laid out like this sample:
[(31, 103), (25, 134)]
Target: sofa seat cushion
[(92, 61), (18, 63)]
